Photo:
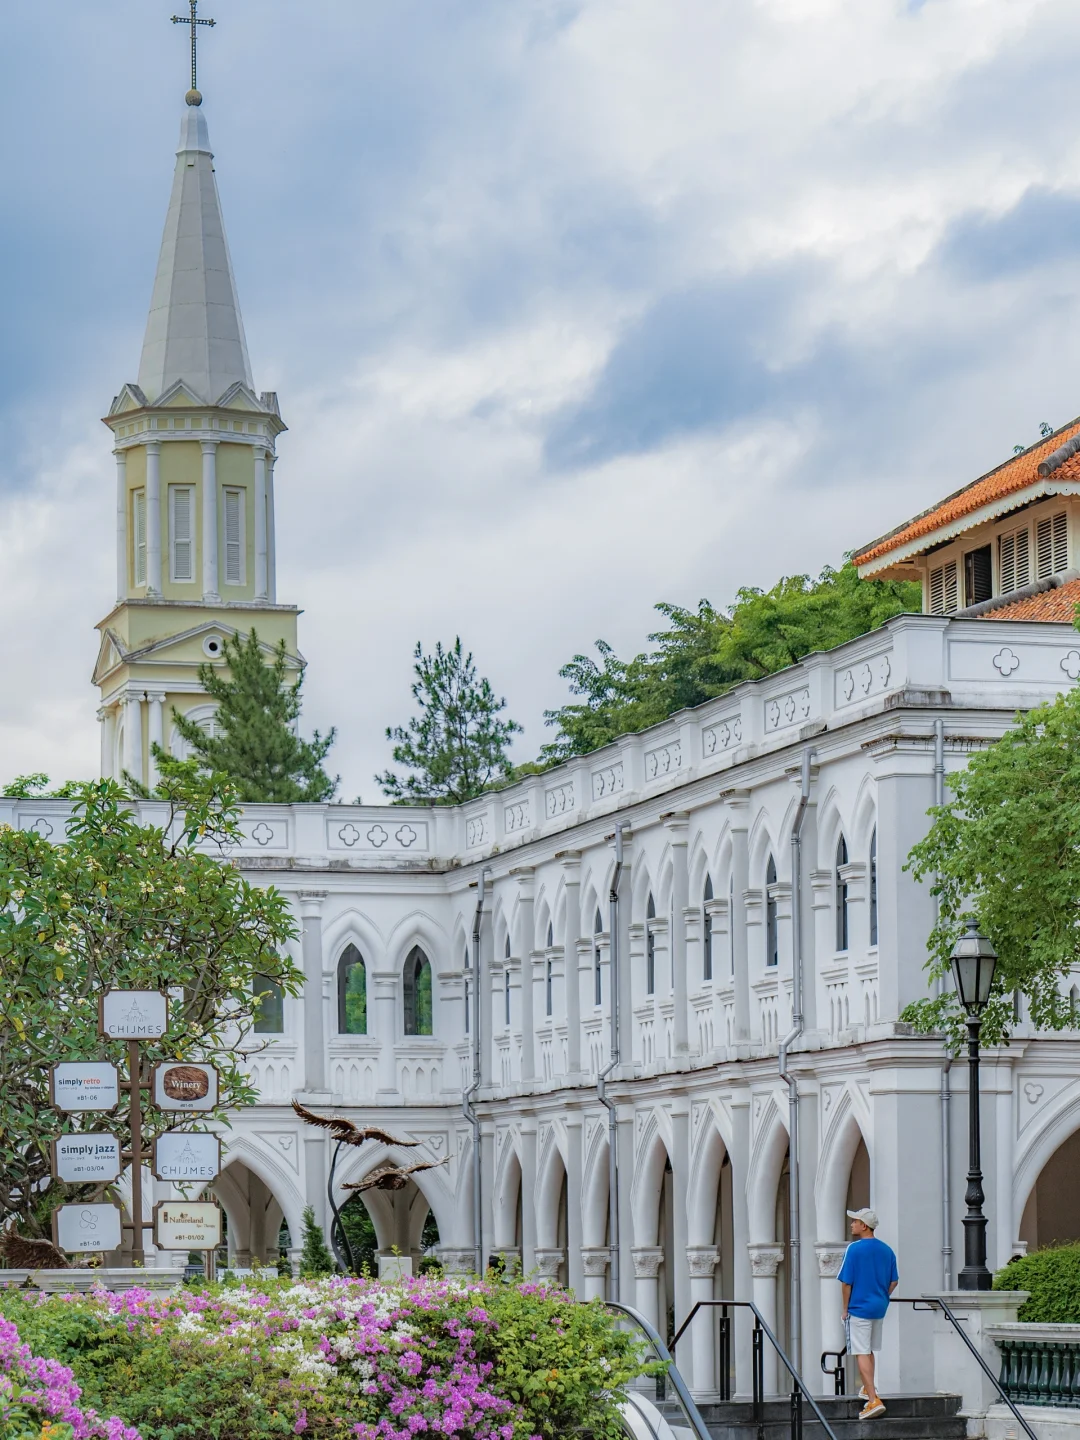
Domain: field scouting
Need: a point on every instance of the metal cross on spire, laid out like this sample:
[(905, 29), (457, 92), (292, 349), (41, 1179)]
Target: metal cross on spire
[(194, 21)]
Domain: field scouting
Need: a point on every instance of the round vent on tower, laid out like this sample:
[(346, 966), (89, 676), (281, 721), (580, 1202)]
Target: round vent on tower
[(214, 646)]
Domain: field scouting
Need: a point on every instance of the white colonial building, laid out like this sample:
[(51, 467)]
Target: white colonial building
[(763, 840)]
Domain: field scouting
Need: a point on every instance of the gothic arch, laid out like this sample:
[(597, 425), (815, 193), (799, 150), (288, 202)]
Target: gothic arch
[(864, 818), (1036, 1152), (768, 1151), (708, 1151), (506, 1193), (352, 925), (416, 928), (435, 1186), (284, 1187), (652, 1158), (551, 1173), (594, 1189), (831, 825), (841, 1141)]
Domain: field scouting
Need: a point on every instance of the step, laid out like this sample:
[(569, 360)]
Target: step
[(907, 1417)]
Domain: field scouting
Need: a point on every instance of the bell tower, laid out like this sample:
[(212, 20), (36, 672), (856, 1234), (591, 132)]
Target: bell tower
[(196, 449)]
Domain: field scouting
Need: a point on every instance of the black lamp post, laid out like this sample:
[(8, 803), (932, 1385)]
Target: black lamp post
[(973, 960)]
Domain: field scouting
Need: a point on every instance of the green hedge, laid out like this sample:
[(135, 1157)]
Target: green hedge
[(1053, 1278)]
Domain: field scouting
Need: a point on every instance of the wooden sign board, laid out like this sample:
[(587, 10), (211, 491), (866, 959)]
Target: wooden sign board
[(84, 1085), (133, 1014), (187, 1225), (86, 1159), (183, 1156), (184, 1085), (86, 1229)]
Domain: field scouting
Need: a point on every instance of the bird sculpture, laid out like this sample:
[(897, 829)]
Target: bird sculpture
[(392, 1177), (23, 1254), (346, 1133)]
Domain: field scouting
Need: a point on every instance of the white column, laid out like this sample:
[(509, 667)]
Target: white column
[(594, 1265), (260, 524), (133, 736), (156, 733), (765, 1258), (311, 902), (647, 1262), (571, 866), (676, 826), (271, 531), (523, 949), (528, 1196), (121, 526), (153, 518), (383, 992), (703, 1260), (105, 721), (209, 520), (830, 1256)]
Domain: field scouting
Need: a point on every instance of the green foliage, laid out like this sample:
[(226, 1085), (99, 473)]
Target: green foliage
[(36, 786), (1052, 1278), (255, 741), (706, 651), (315, 1257), (360, 1231), (125, 905), (1006, 847), (456, 746)]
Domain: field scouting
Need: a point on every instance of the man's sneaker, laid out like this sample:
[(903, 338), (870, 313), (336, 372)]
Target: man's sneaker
[(862, 1393), (869, 1412)]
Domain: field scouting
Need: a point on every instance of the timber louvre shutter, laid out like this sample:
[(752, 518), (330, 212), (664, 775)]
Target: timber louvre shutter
[(234, 537), (1052, 546), (943, 589), (138, 503), (1014, 561), (182, 539)]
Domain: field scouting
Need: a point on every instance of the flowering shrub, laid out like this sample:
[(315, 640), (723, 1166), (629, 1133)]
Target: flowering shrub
[(338, 1359), (39, 1399)]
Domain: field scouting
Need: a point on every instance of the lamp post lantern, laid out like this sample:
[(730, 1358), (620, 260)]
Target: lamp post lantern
[(973, 961)]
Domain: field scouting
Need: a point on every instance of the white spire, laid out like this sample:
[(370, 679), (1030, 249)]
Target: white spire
[(194, 332)]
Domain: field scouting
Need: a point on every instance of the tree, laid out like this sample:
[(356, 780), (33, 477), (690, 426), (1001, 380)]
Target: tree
[(456, 746), (255, 741), (119, 904), (315, 1257), (26, 787), (1006, 848), (706, 651)]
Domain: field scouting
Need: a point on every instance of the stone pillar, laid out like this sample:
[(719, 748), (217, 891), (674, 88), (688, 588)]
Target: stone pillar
[(765, 1258), (676, 826), (955, 1368), (574, 1165), (594, 1267), (155, 733), (741, 1282), (647, 1262), (133, 746), (571, 865), (703, 1260), (314, 1029), (153, 518), (121, 525), (383, 1000), (549, 1263), (738, 808), (209, 520), (905, 791), (830, 1256), (528, 1195), (456, 1261), (260, 524), (316, 1170), (680, 1187), (271, 530), (106, 741), (524, 939)]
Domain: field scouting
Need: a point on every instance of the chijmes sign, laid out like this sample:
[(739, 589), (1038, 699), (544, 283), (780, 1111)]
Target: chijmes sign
[(84, 1085), (183, 1155), (82, 1159), (133, 1014), (187, 1225)]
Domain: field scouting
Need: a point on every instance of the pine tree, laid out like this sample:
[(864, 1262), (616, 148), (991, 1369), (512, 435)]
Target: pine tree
[(255, 741), (315, 1258), (456, 746)]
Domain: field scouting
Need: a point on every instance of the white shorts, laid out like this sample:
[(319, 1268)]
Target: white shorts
[(863, 1336)]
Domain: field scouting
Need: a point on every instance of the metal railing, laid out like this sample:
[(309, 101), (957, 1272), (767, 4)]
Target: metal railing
[(664, 1399), (935, 1302), (836, 1369), (759, 1335), (1041, 1372)]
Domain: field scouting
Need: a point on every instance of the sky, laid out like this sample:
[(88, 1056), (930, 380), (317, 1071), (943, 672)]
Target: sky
[(572, 306)]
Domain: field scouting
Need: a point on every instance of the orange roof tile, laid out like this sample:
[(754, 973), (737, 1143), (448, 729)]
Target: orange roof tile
[(1016, 474), (1058, 604)]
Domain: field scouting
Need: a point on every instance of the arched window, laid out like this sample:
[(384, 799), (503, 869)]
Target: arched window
[(506, 996), (873, 887), (841, 895), (650, 948), (418, 1007), (731, 922), (772, 937), (466, 965), (706, 930), (270, 1015), (507, 950), (548, 986), (351, 993), (598, 984), (550, 935)]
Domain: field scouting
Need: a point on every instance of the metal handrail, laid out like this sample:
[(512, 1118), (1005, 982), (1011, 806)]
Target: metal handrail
[(678, 1384), (760, 1326), (936, 1300), (836, 1371)]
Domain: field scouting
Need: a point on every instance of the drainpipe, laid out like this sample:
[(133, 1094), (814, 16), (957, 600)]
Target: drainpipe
[(946, 1079), (614, 1286), (467, 1099), (797, 1027)]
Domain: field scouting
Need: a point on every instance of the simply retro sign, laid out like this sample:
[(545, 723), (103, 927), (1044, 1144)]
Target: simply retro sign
[(84, 1085)]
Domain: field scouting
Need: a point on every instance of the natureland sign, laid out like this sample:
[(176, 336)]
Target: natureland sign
[(187, 1225), (84, 1085), (83, 1159)]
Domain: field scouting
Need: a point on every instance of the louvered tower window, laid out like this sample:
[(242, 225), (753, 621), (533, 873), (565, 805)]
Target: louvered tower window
[(943, 589), (1052, 546), (234, 537), (138, 505), (1014, 561), (180, 530)]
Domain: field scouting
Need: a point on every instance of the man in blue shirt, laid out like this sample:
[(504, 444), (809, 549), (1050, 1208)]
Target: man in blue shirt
[(868, 1277)]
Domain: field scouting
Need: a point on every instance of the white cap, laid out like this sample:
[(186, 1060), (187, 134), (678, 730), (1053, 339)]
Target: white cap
[(866, 1215)]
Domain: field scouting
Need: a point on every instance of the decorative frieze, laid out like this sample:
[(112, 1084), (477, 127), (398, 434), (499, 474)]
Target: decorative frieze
[(703, 1260), (516, 816), (790, 709), (765, 1257), (477, 831), (375, 836), (608, 781), (830, 1256), (549, 1263), (663, 760), (860, 682), (595, 1260), (559, 799), (724, 736), (647, 1261)]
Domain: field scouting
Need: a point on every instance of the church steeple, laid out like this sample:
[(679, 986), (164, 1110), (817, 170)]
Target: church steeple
[(194, 332), (195, 451)]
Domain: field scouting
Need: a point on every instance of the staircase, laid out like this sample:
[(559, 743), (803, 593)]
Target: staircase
[(907, 1417)]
